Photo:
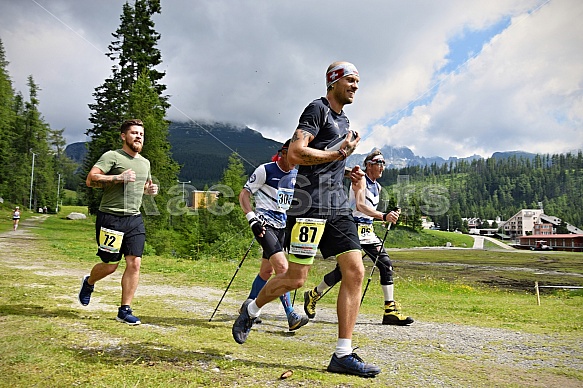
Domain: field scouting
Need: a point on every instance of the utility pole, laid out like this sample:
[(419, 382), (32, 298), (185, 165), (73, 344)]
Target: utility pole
[(184, 192), (58, 192), (31, 181)]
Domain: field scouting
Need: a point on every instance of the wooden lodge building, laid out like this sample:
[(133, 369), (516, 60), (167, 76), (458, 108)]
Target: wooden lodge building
[(557, 242)]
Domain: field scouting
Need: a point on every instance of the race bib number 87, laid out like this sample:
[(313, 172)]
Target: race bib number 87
[(110, 240), (306, 235)]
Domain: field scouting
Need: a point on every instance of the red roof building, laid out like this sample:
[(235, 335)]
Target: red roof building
[(558, 242)]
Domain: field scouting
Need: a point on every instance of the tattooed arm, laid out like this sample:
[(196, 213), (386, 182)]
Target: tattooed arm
[(300, 153), (97, 178)]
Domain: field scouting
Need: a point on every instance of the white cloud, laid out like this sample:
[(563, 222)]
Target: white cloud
[(522, 92), (66, 65), (259, 63)]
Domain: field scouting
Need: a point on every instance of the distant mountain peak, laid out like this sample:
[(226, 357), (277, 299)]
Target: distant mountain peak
[(401, 157), (507, 154), (203, 148)]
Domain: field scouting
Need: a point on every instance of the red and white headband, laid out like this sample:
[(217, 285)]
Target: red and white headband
[(339, 71)]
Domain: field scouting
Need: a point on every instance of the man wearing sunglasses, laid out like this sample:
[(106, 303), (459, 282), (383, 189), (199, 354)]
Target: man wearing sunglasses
[(364, 200)]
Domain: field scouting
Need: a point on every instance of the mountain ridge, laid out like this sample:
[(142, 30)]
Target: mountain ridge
[(203, 150)]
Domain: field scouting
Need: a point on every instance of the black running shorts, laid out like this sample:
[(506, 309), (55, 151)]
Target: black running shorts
[(272, 241), (134, 236), (340, 236)]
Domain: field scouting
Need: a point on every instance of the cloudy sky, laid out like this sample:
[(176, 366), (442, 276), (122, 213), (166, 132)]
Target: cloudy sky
[(444, 78)]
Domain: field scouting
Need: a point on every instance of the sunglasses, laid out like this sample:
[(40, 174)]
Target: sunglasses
[(379, 161)]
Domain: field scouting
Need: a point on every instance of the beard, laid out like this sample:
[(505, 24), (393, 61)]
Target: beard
[(136, 147)]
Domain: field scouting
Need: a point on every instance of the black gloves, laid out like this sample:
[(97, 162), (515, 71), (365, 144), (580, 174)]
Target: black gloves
[(255, 224)]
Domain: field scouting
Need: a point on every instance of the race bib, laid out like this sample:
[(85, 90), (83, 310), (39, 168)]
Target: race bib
[(284, 198), (366, 234), (110, 240), (306, 235)]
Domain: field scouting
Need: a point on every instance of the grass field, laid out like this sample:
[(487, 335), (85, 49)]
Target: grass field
[(48, 339)]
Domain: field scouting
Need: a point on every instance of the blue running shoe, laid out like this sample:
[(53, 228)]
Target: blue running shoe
[(352, 365), (295, 321), (243, 323), (125, 315), (85, 292)]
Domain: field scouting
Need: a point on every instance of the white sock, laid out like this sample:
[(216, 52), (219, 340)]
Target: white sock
[(253, 310), (322, 287), (343, 347), (389, 291)]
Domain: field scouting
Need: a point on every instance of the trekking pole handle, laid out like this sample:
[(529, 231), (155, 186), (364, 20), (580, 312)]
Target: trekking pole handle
[(395, 209)]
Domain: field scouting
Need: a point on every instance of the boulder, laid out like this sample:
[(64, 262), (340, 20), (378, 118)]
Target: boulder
[(76, 216)]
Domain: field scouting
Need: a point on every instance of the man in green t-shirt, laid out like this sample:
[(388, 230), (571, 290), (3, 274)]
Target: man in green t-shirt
[(124, 175)]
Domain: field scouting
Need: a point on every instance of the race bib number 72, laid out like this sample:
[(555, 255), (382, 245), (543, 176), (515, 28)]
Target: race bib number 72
[(110, 240), (306, 235)]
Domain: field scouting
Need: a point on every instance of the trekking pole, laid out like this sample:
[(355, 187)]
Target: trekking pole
[(329, 288), (233, 278), (325, 292), (377, 258)]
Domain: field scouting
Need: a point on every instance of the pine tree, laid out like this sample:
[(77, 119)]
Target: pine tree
[(36, 140), (135, 46), (145, 103), (415, 220), (227, 230), (227, 209), (7, 120), (20, 163), (234, 176), (133, 51), (63, 165)]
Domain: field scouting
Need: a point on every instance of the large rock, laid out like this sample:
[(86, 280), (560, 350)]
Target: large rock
[(76, 216)]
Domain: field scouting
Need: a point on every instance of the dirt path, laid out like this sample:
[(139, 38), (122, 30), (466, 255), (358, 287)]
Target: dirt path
[(416, 349)]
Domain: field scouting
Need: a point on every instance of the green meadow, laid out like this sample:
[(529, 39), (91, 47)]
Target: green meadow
[(487, 296)]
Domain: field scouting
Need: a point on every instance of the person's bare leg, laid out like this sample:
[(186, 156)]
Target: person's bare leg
[(130, 279), (265, 270), (279, 263), (344, 360), (100, 271), (292, 279), (348, 302)]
